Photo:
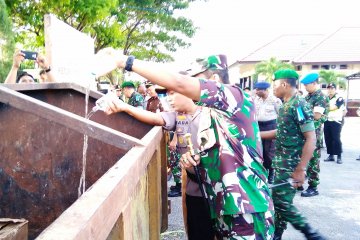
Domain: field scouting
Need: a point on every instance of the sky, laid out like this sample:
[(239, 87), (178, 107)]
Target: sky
[(238, 27)]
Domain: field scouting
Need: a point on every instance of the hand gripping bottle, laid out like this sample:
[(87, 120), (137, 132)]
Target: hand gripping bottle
[(102, 103)]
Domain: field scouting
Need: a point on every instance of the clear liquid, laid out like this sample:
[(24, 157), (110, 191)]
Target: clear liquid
[(82, 185), (89, 115)]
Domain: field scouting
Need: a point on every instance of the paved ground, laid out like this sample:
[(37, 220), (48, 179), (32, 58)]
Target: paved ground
[(335, 212)]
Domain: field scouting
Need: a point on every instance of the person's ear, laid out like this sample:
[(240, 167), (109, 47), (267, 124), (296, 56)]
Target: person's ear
[(215, 77)]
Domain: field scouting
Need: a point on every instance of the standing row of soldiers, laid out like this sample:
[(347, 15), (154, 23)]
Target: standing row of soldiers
[(239, 200)]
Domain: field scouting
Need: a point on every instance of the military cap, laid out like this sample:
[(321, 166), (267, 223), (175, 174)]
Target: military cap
[(128, 84), (262, 85), (310, 78), (331, 85), (213, 62), (286, 74)]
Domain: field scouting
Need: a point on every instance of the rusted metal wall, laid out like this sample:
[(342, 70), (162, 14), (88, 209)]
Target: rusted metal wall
[(41, 160)]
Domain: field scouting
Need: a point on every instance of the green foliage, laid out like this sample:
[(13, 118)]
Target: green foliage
[(268, 68), (329, 76), (147, 29), (6, 42)]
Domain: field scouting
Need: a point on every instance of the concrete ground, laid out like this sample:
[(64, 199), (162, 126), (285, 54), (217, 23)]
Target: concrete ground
[(335, 211)]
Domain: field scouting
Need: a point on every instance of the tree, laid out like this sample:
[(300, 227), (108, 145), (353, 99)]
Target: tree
[(28, 16), (6, 42), (268, 68), (329, 76), (147, 29)]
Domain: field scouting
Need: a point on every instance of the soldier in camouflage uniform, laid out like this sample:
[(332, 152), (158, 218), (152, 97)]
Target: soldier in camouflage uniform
[(319, 103), (135, 98), (230, 144), (295, 144), (231, 160)]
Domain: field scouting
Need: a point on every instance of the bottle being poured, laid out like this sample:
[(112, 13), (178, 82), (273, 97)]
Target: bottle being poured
[(102, 103)]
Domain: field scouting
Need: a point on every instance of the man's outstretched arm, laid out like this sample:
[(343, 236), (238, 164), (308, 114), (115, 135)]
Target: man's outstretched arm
[(116, 105), (154, 72)]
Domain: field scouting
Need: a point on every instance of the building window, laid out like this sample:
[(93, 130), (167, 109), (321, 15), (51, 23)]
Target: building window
[(323, 86), (343, 66), (299, 68), (326, 67), (333, 66), (314, 66)]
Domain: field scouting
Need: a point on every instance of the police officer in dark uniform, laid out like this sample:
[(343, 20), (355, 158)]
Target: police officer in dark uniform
[(333, 125), (267, 109)]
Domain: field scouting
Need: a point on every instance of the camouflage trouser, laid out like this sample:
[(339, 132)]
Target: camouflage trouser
[(313, 169), (285, 211), (258, 226), (174, 164)]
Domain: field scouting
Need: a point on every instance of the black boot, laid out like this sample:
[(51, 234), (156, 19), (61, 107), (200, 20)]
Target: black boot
[(278, 234), (338, 159), (176, 191), (271, 176), (301, 188), (330, 158), (310, 192), (312, 234)]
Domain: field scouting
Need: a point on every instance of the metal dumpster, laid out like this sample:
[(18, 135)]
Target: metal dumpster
[(41, 163)]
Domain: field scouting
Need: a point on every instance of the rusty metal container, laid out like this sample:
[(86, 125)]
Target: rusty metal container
[(42, 129)]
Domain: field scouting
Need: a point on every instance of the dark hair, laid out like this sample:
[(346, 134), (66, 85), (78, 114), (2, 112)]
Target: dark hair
[(292, 82), (223, 74), (22, 74), (247, 88)]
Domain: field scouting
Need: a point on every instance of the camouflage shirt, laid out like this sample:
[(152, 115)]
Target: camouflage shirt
[(295, 117), (136, 100), (319, 103), (231, 152)]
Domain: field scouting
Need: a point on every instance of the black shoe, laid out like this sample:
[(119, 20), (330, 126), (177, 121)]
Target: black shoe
[(358, 158), (338, 160), (301, 188), (271, 176), (312, 234), (174, 193), (278, 234), (310, 192), (330, 158)]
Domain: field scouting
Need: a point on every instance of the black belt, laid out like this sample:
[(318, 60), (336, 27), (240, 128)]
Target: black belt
[(191, 176), (264, 123)]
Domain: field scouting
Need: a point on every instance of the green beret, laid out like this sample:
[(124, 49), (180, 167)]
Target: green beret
[(127, 84), (285, 74), (213, 62)]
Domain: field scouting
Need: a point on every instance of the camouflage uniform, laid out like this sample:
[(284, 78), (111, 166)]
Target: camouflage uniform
[(295, 117), (315, 100), (173, 162), (136, 100), (231, 163)]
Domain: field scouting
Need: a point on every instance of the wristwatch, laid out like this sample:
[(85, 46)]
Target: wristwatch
[(48, 70), (129, 63)]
